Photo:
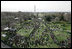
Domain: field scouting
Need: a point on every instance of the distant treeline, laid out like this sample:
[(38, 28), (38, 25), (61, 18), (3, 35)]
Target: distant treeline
[(7, 18)]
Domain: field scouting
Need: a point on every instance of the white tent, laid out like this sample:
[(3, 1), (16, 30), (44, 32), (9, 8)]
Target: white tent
[(3, 35), (16, 18), (6, 28), (39, 18)]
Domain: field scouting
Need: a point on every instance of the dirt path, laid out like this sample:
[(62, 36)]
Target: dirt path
[(4, 46)]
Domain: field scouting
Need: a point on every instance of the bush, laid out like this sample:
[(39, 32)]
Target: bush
[(48, 18), (61, 18)]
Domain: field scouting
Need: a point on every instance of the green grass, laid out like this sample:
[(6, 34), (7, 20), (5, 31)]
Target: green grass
[(61, 36), (25, 32)]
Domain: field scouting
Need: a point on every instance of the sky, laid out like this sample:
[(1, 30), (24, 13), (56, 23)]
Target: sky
[(41, 6)]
